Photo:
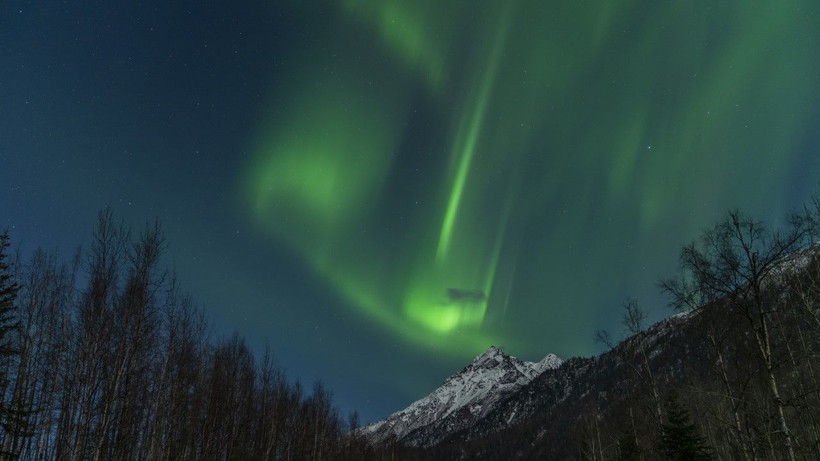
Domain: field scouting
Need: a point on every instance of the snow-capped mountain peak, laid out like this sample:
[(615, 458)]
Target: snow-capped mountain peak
[(462, 398), (492, 353)]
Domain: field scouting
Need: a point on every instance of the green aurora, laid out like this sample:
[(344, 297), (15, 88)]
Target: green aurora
[(447, 167)]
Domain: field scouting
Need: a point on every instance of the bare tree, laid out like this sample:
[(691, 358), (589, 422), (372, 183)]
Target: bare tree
[(733, 264), (125, 367)]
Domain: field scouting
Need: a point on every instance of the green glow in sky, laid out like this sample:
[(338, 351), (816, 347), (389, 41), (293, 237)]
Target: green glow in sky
[(319, 168), (466, 140), (563, 136), (413, 30)]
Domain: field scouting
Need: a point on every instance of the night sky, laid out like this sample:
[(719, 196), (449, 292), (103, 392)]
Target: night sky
[(383, 189)]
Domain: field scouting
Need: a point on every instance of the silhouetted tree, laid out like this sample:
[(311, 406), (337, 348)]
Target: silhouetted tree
[(13, 414), (681, 440), (731, 266)]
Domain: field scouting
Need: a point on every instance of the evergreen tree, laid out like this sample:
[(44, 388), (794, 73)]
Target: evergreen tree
[(8, 294), (681, 440), (10, 418)]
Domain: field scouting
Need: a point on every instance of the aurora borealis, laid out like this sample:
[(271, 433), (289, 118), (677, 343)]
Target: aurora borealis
[(382, 189)]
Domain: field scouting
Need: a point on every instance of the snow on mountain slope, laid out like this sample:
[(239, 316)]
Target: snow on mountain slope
[(465, 396)]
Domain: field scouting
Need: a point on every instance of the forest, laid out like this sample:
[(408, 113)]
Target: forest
[(104, 357)]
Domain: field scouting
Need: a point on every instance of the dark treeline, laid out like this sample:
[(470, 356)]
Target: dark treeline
[(102, 357)]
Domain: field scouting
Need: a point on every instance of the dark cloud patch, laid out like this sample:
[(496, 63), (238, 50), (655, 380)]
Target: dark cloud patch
[(465, 295)]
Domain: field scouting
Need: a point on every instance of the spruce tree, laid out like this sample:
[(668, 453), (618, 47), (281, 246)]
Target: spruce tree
[(8, 294), (681, 440), (13, 421), (9, 417)]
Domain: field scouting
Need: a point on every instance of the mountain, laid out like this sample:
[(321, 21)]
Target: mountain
[(463, 399), (740, 360), (499, 407), (546, 413), (591, 404)]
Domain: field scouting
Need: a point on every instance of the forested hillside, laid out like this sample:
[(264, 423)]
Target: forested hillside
[(733, 376)]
